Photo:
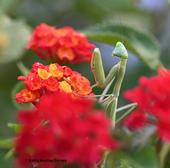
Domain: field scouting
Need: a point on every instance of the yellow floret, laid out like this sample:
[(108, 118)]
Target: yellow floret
[(64, 86)]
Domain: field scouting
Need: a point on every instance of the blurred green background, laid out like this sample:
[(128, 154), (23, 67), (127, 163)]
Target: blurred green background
[(19, 17)]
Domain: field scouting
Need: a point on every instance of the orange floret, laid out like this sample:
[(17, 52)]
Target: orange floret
[(55, 71), (26, 95), (43, 74), (64, 86)]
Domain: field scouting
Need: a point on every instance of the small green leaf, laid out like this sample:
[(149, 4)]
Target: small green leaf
[(14, 36), (6, 143), (5, 5), (125, 164), (143, 158), (9, 154), (163, 154), (15, 127), (143, 45)]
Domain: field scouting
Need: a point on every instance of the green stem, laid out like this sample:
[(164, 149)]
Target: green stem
[(22, 68), (9, 153), (163, 154), (6, 143), (93, 86), (16, 127), (104, 160)]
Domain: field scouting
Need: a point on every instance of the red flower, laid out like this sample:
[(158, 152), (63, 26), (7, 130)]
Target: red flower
[(63, 128), (153, 98), (135, 120), (61, 45), (45, 79)]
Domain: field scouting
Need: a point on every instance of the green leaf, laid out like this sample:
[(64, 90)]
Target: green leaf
[(163, 154), (9, 154), (6, 143), (15, 127), (144, 158), (6, 5), (143, 45), (14, 36)]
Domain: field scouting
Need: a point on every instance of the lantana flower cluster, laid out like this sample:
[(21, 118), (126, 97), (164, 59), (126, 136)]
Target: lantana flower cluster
[(42, 80), (63, 128), (60, 44), (153, 98)]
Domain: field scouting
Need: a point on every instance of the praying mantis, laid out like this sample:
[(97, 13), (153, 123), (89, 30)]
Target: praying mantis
[(116, 75)]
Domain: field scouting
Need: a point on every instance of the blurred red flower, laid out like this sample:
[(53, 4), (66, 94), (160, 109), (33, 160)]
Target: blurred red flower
[(60, 44), (153, 98), (63, 128), (51, 78)]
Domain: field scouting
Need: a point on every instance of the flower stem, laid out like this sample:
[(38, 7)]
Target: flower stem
[(6, 143), (22, 68), (104, 160), (163, 154)]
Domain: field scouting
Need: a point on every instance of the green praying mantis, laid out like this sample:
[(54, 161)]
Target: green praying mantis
[(116, 75)]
